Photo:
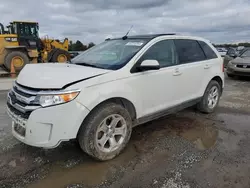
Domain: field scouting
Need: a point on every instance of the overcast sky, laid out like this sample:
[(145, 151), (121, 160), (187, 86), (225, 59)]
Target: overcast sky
[(220, 21)]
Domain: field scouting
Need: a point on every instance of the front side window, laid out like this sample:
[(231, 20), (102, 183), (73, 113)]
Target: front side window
[(163, 51), (210, 54), (189, 51), (111, 54), (14, 29)]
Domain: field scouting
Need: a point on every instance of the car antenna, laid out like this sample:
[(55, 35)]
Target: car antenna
[(126, 36)]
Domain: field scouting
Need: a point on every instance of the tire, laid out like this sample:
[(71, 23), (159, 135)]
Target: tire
[(91, 132), (58, 53), (203, 105), (21, 56)]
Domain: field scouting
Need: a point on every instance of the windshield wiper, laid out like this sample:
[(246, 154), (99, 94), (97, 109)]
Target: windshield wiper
[(87, 65)]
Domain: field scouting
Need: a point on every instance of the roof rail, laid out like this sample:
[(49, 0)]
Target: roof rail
[(149, 36), (168, 34)]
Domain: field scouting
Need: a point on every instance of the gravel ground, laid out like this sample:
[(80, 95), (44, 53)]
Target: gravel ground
[(184, 150)]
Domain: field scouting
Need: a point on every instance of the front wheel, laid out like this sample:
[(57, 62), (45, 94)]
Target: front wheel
[(211, 97), (106, 131)]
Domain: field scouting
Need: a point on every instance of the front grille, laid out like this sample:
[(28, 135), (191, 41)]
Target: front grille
[(243, 66), (15, 88), (22, 101), (13, 98), (24, 115)]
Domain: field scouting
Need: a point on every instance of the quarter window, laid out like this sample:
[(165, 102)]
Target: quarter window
[(189, 51), (210, 54), (163, 51)]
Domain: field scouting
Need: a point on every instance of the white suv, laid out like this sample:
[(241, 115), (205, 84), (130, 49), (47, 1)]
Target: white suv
[(103, 93)]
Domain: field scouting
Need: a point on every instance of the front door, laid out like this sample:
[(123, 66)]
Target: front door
[(155, 87)]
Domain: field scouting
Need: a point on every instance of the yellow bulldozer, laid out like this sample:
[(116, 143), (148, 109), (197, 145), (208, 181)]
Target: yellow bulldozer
[(20, 44)]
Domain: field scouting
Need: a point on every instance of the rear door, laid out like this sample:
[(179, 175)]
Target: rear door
[(191, 70), (212, 66)]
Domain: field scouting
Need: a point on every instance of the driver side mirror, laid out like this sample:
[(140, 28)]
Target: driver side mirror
[(149, 65)]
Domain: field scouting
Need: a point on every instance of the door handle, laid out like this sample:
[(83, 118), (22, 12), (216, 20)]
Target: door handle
[(207, 66), (177, 72)]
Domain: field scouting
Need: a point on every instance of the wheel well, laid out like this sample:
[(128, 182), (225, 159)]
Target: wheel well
[(23, 50), (17, 49), (128, 105), (218, 79)]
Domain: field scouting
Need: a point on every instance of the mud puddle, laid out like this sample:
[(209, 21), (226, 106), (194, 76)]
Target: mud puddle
[(148, 145), (202, 133), (89, 173)]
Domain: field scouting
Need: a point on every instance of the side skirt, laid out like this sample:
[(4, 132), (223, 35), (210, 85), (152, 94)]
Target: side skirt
[(165, 112)]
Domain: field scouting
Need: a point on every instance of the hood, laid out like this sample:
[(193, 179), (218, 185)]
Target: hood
[(55, 75), (244, 60)]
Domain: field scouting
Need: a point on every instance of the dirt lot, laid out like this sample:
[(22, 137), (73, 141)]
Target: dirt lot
[(184, 150)]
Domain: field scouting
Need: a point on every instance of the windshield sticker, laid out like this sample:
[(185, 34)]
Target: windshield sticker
[(134, 44)]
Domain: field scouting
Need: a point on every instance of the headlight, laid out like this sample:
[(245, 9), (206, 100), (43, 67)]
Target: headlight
[(11, 39), (54, 99)]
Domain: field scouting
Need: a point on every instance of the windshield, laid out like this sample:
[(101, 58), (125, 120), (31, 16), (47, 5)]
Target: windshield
[(111, 54), (28, 29), (246, 54)]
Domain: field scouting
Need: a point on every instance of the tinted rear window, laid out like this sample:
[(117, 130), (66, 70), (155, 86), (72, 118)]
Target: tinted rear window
[(189, 51), (210, 54)]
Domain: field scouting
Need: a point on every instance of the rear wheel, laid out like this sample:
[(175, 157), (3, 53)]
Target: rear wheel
[(211, 97), (106, 131), (17, 59), (60, 56)]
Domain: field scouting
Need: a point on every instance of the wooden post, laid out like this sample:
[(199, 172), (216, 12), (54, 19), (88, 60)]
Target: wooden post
[(34, 60), (12, 71)]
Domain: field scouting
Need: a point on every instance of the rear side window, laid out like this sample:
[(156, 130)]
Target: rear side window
[(210, 54), (189, 51)]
